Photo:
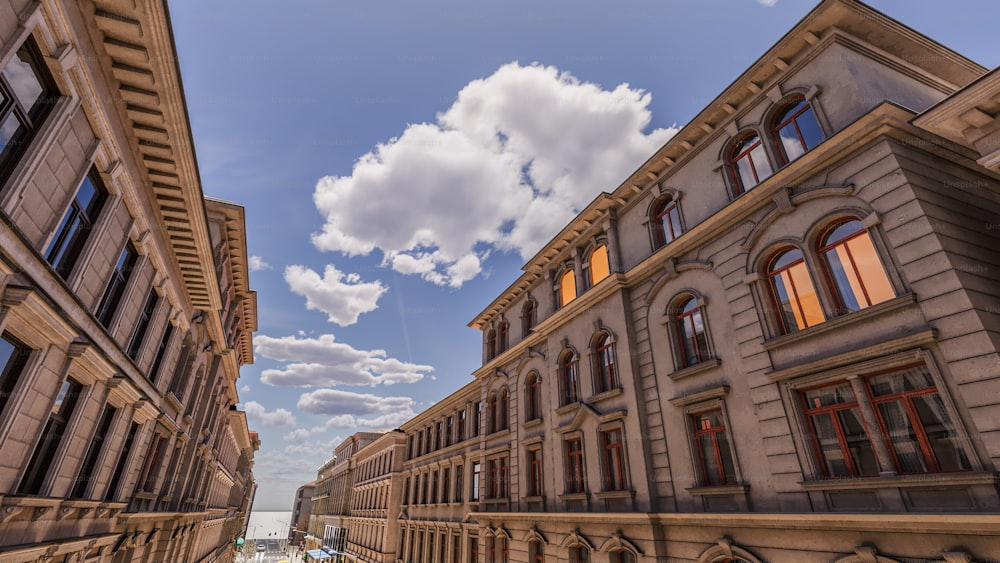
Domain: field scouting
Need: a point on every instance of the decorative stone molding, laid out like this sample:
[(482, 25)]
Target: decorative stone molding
[(725, 550)]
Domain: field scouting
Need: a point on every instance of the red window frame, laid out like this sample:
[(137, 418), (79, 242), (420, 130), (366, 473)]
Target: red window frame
[(504, 414), (772, 274), (604, 354), (663, 220), (533, 396), (569, 376), (535, 472), (701, 429), (575, 480), (491, 344), (502, 338), (622, 555), (614, 460), (681, 317), (831, 411), (579, 554), (491, 415), (528, 317), (536, 547), (789, 118), (745, 146), (827, 270)]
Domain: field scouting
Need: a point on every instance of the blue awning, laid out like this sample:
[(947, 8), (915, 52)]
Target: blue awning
[(319, 554)]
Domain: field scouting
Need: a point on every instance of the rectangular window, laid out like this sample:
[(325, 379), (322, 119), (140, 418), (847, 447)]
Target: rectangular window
[(406, 491), (838, 432), (437, 436), (715, 457), (473, 550), (142, 325), (52, 435), (497, 478), (459, 482), (449, 430), (122, 462), (456, 548), (535, 472), (461, 426), (13, 356), (423, 491), (434, 487), (161, 351), (153, 462), (614, 461), (116, 285), (446, 485), (476, 470), (574, 466), (93, 452), (477, 417), (27, 93), (76, 225)]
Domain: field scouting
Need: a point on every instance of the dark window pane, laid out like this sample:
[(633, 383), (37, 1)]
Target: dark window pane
[(52, 435), (13, 356)]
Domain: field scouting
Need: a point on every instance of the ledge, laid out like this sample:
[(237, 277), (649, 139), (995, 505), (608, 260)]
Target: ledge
[(611, 495), (695, 369), (605, 395), (889, 352), (573, 496), (965, 478), (569, 407), (535, 499), (713, 490), (861, 316), (716, 392)]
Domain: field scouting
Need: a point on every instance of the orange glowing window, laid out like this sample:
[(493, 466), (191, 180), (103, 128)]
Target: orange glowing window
[(793, 292), (854, 267), (599, 268), (567, 287)]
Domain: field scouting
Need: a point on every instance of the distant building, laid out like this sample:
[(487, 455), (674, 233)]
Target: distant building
[(126, 311), (300, 513), (776, 341)]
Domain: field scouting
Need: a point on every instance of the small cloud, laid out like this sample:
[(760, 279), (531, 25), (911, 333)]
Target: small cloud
[(343, 297), (245, 389), (767, 3), (357, 410), (258, 264), (257, 413), (297, 436)]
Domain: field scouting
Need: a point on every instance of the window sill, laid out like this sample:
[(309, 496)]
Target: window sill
[(839, 322), (536, 499), (605, 395), (712, 490), (174, 401), (695, 369), (533, 422), (569, 407), (574, 496), (610, 495), (495, 501), (965, 478)]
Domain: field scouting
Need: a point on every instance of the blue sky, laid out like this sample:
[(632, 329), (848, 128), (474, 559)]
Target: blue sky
[(383, 209)]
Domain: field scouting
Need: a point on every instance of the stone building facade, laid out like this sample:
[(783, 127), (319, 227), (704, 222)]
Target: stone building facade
[(125, 309), (776, 341), (301, 511)]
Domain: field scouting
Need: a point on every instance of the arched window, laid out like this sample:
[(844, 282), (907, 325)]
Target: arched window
[(793, 293), (502, 340), (491, 414), (529, 316), (622, 556), (748, 163), (569, 379), (567, 287), (604, 364), (503, 414), (536, 554), (795, 130), (491, 344), (692, 346), (666, 222), (579, 554), (853, 266), (598, 265), (532, 396)]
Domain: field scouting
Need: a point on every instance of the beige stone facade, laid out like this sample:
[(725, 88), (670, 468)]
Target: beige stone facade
[(126, 311), (776, 341)]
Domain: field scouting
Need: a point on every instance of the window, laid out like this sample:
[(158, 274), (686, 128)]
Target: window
[(748, 163), (116, 285), (853, 267), (614, 461), (27, 93), (690, 327), (473, 550), (666, 222), (122, 462), (14, 357), (567, 287), (76, 225), (792, 291), (437, 435), (434, 488), (535, 472), (529, 316), (497, 550), (838, 432), (579, 554), (449, 430), (715, 458), (536, 553), (477, 417), (476, 472), (142, 325), (86, 474), (598, 265), (52, 435), (407, 492), (497, 478), (795, 130), (502, 338), (459, 482), (604, 354), (622, 556), (461, 425), (153, 462), (569, 379), (575, 482), (533, 395), (491, 415), (504, 413), (161, 350), (491, 344)]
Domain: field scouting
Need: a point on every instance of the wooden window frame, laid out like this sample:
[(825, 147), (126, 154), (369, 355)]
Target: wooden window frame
[(605, 365), (613, 454), (576, 477), (791, 118)]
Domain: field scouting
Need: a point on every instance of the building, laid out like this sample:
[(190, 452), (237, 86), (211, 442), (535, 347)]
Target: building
[(301, 511), (777, 340), (126, 311)]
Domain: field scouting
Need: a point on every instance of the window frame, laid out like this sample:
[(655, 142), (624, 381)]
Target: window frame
[(576, 465), (775, 126), (31, 122), (529, 317), (821, 250), (697, 430), (605, 363), (569, 378), (67, 244), (770, 273), (589, 263), (564, 275), (733, 157), (44, 460), (532, 397), (665, 206), (117, 286), (674, 319), (614, 452), (534, 472)]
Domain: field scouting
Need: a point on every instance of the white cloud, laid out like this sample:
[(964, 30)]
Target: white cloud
[(357, 410), (297, 436), (257, 264), (767, 3), (257, 413), (510, 162), (245, 389), (343, 297), (323, 362)]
